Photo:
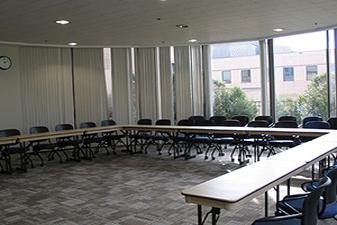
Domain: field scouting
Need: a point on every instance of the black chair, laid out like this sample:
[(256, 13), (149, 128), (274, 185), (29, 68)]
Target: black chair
[(333, 122), (112, 138), (256, 140), (220, 140), (11, 149), (141, 137), (66, 143), (89, 139), (314, 125), (40, 146), (328, 203), (269, 119), (311, 119), (243, 119), (309, 215), (217, 119), (279, 141), (180, 140), (204, 139), (160, 139), (287, 118)]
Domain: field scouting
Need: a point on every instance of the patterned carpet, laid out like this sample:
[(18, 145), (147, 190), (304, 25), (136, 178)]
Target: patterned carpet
[(118, 189)]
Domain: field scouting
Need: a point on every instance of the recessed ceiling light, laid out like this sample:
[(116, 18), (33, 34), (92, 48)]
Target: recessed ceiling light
[(278, 29), (162, 0), (182, 26), (192, 40), (72, 43), (62, 22)]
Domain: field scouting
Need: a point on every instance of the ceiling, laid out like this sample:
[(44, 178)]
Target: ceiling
[(136, 23)]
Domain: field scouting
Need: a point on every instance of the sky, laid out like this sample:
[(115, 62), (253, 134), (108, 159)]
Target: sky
[(305, 42)]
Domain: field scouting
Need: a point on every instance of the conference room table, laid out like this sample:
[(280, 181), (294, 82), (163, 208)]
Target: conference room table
[(242, 185)]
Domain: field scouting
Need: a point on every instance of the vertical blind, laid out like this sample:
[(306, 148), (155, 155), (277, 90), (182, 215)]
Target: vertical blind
[(89, 85), (166, 83), (146, 79), (46, 90), (120, 72)]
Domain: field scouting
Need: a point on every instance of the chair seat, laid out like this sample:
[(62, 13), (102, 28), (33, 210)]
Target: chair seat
[(223, 140), (43, 146), (282, 143), (201, 139), (280, 222), (294, 203), (160, 137), (329, 211), (12, 150)]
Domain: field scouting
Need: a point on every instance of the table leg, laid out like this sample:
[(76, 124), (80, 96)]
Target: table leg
[(215, 215), (199, 214), (266, 203), (313, 172), (288, 187)]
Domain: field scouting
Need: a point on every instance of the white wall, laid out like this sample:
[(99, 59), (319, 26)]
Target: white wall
[(10, 96)]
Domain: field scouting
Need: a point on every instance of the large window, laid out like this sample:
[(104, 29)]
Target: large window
[(301, 59), (236, 76)]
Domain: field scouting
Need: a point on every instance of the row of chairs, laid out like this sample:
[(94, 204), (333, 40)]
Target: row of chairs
[(79, 147)]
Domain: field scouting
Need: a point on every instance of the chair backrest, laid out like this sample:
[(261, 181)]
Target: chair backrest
[(242, 119), (330, 193), (204, 123), (185, 123), (310, 204), (105, 123), (64, 126), (269, 119), (163, 122), (218, 119), (333, 122), (195, 119), (311, 119), (258, 123), (231, 123), (38, 129), (286, 124), (87, 125), (9, 132), (287, 118), (317, 125), (144, 122)]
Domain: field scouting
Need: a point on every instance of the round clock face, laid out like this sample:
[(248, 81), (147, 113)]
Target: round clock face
[(5, 62)]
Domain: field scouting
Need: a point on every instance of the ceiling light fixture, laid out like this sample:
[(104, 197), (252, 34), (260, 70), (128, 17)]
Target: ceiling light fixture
[(62, 22), (192, 40), (278, 29), (182, 26), (72, 43)]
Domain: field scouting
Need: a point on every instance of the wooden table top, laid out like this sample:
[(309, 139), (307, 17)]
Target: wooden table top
[(235, 188)]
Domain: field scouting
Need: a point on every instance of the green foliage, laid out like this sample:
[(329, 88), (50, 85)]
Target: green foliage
[(232, 101), (313, 102)]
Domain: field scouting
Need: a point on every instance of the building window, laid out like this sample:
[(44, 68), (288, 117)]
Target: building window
[(227, 76), (288, 73), (245, 76), (311, 71)]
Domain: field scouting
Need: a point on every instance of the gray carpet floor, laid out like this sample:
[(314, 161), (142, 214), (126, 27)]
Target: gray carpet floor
[(117, 189)]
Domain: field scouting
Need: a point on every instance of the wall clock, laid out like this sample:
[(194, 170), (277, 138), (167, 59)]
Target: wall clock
[(5, 62)]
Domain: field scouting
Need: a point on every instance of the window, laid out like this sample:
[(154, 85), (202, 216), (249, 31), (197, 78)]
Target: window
[(288, 73), (234, 64), (302, 54), (227, 76), (245, 76), (311, 71)]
